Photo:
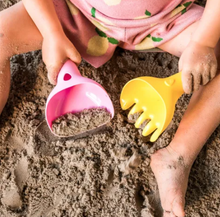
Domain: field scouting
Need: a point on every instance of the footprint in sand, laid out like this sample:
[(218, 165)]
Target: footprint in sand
[(40, 206), (15, 142), (11, 198), (21, 173)]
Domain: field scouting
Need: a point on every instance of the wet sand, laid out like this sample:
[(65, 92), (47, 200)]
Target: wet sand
[(105, 174), (80, 122)]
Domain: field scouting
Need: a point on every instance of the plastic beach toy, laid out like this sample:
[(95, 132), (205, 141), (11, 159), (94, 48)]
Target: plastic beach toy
[(155, 99), (74, 93)]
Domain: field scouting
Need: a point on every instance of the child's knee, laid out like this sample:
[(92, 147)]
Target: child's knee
[(6, 44)]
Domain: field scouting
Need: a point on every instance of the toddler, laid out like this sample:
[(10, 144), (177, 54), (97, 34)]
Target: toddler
[(69, 29)]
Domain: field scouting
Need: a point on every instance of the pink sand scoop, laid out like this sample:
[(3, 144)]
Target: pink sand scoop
[(74, 93)]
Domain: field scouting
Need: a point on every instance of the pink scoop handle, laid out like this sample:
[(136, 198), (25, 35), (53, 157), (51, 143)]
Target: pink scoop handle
[(74, 93), (68, 72)]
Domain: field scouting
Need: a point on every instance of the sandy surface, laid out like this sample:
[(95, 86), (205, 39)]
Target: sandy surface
[(78, 123), (106, 174)]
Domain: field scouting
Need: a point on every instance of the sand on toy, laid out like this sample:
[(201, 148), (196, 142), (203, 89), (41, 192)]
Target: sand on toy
[(72, 124)]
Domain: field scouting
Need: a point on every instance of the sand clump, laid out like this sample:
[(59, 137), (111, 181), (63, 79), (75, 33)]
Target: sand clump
[(77, 123)]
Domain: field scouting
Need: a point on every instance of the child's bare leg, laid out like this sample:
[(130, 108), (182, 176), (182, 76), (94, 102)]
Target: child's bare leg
[(172, 164), (18, 34)]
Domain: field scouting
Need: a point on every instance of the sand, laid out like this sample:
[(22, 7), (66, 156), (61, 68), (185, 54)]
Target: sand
[(105, 174), (72, 124)]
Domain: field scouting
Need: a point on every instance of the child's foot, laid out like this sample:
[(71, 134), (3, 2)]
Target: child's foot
[(171, 171)]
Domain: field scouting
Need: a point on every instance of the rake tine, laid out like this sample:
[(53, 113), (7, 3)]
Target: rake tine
[(135, 109), (155, 135), (141, 119), (126, 104), (149, 128)]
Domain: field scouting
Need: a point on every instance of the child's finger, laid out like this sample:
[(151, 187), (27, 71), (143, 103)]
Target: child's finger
[(53, 73), (187, 80), (213, 71), (52, 78), (75, 56), (197, 79), (205, 76), (180, 66)]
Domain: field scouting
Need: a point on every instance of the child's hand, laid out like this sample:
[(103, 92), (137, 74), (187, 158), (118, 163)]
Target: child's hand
[(198, 65), (56, 50)]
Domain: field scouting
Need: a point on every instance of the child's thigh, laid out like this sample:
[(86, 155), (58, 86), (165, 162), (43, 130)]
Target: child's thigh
[(177, 45), (18, 33)]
